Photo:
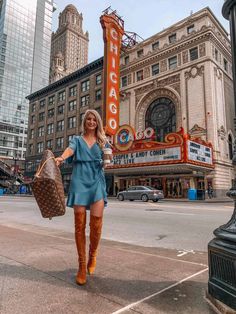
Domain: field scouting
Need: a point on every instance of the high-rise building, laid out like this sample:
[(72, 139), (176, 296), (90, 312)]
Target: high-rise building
[(69, 48), (25, 37)]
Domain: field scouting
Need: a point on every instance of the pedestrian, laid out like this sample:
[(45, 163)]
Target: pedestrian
[(87, 189), (116, 189), (210, 191)]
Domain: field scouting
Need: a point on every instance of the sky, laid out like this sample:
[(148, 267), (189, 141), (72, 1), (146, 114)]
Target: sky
[(144, 17)]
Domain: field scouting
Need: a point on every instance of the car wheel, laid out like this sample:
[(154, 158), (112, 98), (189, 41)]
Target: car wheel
[(155, 201), (144, 198), (120, 197)]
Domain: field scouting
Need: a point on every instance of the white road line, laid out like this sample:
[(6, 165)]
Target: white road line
[(159, 292)]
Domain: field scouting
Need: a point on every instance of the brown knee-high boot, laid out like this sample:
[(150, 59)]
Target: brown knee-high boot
[(80, 240), (95, 235)]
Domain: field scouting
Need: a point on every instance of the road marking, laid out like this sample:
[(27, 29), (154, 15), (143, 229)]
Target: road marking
[(184, 252), (130, 306)]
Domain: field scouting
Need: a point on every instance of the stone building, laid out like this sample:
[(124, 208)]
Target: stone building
[(177, 81), (56, 112), (69, 46), (181, 78)]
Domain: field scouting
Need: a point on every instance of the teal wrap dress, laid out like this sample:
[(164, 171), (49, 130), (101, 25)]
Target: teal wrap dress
[(88, 183)]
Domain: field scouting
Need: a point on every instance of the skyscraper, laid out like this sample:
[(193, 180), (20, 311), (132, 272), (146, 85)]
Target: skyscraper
[(25, 36), (69, 49)]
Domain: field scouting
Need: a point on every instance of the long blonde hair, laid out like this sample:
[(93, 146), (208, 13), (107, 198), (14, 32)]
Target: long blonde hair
[(100, 134)]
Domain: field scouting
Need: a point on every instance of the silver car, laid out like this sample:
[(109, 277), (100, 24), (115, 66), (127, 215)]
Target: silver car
[(138, 192)]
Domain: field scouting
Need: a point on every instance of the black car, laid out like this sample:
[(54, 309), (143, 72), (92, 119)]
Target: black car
[(143, 193)]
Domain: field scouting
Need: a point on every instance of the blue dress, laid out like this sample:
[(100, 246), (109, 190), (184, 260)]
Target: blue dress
[(88, 183)]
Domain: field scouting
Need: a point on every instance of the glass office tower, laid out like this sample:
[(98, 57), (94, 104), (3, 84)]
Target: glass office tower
[(25, 40)]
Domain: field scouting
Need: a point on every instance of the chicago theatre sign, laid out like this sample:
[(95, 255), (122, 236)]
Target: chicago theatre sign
[(137, 149)]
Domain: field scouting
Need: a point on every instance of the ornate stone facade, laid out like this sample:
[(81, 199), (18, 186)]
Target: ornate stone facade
[(69, 42), (194, 72)]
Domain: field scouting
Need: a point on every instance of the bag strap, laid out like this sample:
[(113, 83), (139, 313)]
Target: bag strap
[(41, 167)]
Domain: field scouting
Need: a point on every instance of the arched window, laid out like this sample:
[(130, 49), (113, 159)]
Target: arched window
[(161, 117), (230, 143)]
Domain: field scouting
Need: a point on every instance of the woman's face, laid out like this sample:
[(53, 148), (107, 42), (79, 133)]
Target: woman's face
[(91, 122)]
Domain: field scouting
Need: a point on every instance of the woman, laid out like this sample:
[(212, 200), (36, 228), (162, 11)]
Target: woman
[(88, 188)]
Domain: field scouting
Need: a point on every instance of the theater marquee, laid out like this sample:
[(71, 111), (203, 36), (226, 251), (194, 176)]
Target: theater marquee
[(137, 149)]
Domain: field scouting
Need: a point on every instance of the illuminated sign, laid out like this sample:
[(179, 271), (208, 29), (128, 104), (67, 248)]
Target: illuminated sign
[(113, 30), (199, 153), (149, 156), (125, 135)]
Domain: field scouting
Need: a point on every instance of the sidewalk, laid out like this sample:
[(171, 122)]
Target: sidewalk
[(38, 265)]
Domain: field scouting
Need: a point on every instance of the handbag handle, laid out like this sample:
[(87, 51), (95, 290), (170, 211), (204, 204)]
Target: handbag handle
[(41, 168)]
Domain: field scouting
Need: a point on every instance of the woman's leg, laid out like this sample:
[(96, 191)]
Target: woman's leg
[(96, 215), (80, 240)]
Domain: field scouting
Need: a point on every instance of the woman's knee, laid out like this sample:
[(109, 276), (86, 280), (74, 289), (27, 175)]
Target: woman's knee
[(79, 209), (97, 208)]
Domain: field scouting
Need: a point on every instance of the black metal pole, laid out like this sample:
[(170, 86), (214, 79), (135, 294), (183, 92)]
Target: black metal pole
[(222, 249)]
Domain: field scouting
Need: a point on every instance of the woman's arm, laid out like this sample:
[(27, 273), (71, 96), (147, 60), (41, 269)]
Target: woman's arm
[(68, 152)]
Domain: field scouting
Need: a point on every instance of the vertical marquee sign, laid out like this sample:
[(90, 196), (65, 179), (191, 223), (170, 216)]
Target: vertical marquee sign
[(113, 30)]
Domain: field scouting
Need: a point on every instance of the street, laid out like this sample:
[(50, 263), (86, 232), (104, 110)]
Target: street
[(175, 225), (153, 259)]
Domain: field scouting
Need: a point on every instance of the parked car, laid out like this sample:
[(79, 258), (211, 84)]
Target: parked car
[(138, 192)]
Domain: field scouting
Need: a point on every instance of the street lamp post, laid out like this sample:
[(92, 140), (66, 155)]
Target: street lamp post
[(222, 249)]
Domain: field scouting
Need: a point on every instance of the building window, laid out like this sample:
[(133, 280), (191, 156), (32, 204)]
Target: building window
[(172, 63), (51, 100), (49, 144), (60, 125), (71, 122), (155, 45), (172, 38), (139, 75), (33, 119), (41, 131), (61, 96), (84, 101), (42, 103), (59, 142), (216, 55), (50, 128), (73, 91), (72, 105), (98, 79), (98, 94), (81, 117), (41, 116), (30, 149), (140, 53), (85, 86), (126, 60), (161, 117), (193, 53), (40, 147), (230, 142), (225, 65), (70, 137), (61, 109), (31, 133), (33, 107), (124, 81), (51, 113), (190, 29), (155, 69)]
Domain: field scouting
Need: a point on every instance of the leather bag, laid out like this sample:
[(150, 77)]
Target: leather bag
[(48, 188)]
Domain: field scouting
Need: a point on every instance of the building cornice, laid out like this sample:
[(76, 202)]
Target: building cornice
[(169, 50)]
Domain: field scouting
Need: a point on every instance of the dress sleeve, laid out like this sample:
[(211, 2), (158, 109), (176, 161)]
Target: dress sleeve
[(72, 145)]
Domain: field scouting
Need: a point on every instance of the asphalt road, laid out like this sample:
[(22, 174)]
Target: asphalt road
[(187, 227)]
